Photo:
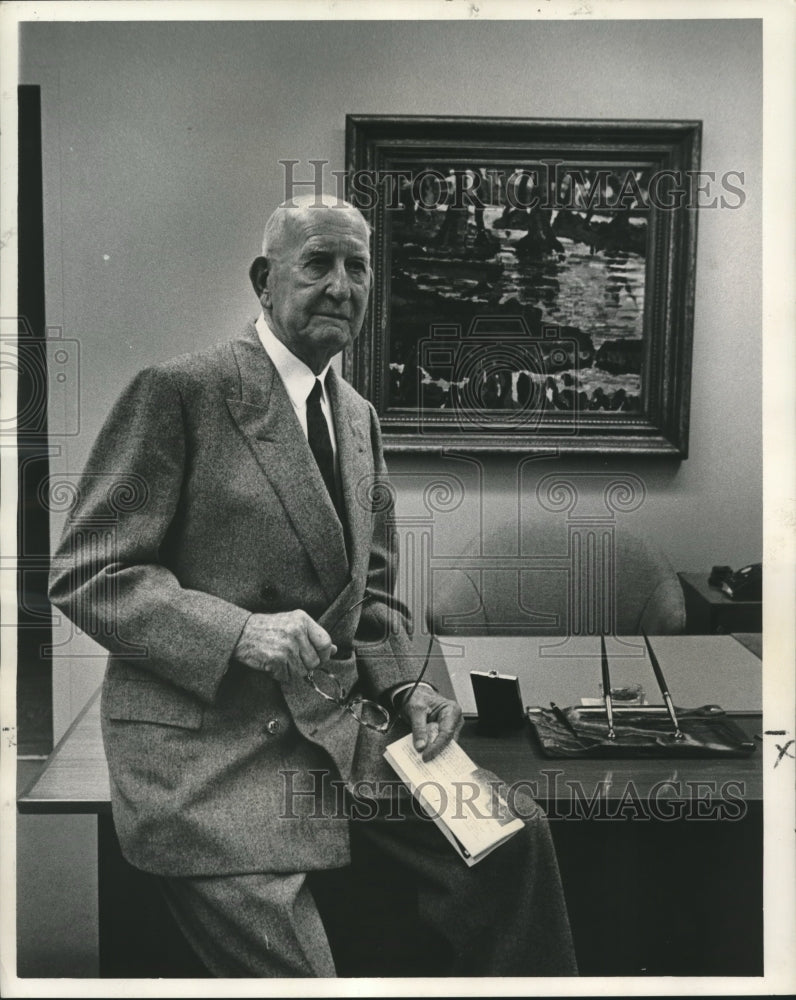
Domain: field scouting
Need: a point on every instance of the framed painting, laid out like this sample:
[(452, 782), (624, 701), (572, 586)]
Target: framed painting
[(533, 282)]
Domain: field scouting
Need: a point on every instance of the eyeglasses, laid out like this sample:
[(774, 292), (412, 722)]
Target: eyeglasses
[(368, 713)]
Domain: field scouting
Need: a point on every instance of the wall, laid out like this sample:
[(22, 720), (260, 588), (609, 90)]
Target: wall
[(162, 156), (162, 144)]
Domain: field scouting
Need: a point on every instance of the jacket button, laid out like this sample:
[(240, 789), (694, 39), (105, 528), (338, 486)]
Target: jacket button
[(272, 727)]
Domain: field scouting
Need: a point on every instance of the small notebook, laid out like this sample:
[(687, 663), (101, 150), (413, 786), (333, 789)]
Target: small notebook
[(460, 797)]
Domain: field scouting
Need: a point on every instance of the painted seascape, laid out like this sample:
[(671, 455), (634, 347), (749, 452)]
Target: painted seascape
[(538, 305)]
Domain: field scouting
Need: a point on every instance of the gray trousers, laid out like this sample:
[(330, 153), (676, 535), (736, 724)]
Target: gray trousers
[(406, 906)]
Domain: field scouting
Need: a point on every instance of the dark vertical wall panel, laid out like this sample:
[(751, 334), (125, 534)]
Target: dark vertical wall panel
[(34, 668)]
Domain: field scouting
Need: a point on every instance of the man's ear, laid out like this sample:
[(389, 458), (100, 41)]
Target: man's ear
[(258, 275)]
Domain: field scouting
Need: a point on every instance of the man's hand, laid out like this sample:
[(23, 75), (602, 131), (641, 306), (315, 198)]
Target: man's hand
[(435, 721), (285, 645)]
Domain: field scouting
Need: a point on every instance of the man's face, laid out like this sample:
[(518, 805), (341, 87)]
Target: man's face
[(319, 279)]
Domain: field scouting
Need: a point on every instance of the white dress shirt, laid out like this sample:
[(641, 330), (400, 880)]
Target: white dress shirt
[(297, 379)]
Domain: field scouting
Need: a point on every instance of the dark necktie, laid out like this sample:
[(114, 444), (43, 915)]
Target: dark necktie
[(321, 443)]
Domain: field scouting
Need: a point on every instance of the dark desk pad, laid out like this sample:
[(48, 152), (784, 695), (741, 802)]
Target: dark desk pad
[(647, 732)]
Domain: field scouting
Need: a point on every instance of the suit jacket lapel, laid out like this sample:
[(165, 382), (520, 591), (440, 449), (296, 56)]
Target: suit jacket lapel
[(266, 417), (352, 432)]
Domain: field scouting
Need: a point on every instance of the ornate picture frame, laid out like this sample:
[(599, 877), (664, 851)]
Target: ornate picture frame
[(533, 282)]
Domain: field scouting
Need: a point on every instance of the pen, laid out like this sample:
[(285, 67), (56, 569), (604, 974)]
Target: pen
[(562, 717), (609, 706), (667, 698)]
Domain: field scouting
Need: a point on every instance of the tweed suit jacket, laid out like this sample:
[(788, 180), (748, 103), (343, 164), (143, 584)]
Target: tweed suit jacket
[(201, 503)]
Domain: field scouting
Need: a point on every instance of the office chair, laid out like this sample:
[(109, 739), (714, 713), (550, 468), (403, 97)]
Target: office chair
[(554, 576)]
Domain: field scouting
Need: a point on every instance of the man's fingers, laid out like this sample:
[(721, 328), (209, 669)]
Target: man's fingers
[(306, 653), (417, 720), (313, 643), (447, 720), (319, 638), (435, 721), (285, 644)]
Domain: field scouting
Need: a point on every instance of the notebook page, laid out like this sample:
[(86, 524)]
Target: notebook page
[(456, 791)]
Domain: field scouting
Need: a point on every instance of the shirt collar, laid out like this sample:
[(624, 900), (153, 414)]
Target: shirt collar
[(297, 377)]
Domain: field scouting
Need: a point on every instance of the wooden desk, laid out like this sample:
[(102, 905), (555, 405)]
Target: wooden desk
[(662, 872), (75, 778), (700, 670), (666, 892)]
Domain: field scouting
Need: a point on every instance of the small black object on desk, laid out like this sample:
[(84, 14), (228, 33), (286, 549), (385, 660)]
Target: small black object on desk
[(746, 584), (710, 611), (498, 701)]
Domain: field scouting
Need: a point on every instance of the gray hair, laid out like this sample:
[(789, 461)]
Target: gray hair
[(277, 221)]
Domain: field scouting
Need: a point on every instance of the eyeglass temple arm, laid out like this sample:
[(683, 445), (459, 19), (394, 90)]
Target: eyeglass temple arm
[(364, 600), (336, 621), (422, 672)]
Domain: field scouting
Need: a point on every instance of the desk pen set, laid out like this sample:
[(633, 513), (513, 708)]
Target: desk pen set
[(639, 731)]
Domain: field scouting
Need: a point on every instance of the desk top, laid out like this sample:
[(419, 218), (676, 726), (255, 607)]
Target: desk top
[(75, 778), (699, 669)]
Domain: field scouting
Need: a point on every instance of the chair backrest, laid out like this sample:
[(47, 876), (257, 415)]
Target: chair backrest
[(553, 577)]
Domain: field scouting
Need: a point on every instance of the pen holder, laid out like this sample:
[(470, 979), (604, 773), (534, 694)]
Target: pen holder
[(626, 696), (642, 732)]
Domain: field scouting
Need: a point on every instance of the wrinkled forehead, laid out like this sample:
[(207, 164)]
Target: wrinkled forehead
[(340, 227)]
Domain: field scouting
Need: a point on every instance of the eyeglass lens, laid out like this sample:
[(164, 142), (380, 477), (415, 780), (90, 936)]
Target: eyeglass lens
[(370, 713), (326, 684)]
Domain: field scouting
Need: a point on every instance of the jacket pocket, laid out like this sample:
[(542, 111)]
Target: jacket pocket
[(142, 701)]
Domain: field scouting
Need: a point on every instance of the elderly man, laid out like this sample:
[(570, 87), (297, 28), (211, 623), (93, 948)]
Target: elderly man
[(246, 590)]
